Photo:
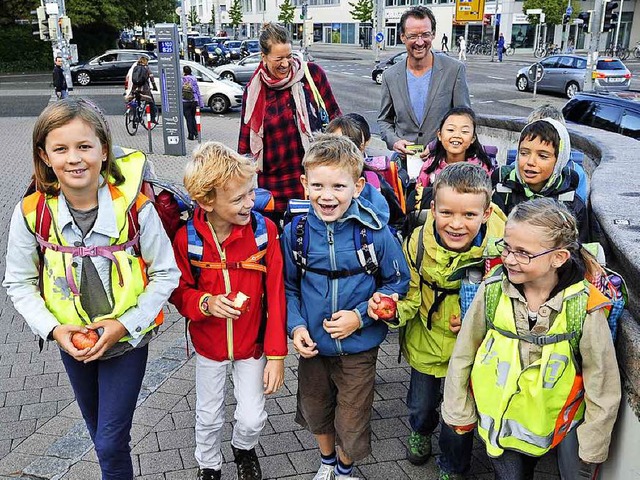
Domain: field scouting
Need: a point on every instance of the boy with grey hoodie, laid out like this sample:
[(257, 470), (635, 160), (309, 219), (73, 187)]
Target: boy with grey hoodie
[(541, 171)]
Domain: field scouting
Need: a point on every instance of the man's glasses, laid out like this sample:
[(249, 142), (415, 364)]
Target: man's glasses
[(520, 257), (412, 37)]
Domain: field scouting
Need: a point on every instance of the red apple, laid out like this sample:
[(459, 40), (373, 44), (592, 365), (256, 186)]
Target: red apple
[(386, 309), (82, 340), (240, 301)]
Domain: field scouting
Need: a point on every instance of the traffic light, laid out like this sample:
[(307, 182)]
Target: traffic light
[(303, 15), (610, 18), (65, 24), (586, 20), (42, 22)]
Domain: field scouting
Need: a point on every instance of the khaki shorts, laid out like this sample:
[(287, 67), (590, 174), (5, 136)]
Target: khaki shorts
[(335, 396)]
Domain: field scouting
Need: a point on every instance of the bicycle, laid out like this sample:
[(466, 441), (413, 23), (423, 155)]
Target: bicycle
[(135, 115), (511, 49), (636, 50)]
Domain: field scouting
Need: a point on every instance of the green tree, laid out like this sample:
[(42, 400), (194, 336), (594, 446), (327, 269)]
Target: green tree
[(553, 10), (235, 13), (362, 11), (287, 10), (12, 10), (213, 17), (192, 17)]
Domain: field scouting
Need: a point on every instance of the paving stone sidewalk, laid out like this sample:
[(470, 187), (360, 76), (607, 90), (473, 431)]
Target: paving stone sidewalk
[(41, 431)]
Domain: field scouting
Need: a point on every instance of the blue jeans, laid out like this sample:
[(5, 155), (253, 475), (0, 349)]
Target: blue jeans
[(107, 392), (423, 400), (500, 50), (456, 450), (62, 94)]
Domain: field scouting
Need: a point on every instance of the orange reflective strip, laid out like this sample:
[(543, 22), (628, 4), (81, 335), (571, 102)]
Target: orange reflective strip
[(115, 191), (160, 318), (30, 203), (597, 299), (397, 186), (569, 410), (141, 200), (229, 265)]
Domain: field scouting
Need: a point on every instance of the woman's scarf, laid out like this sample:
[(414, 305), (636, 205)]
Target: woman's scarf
[(256, 102)]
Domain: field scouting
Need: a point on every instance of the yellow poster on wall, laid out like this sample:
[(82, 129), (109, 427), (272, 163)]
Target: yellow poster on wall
[(469, 10)]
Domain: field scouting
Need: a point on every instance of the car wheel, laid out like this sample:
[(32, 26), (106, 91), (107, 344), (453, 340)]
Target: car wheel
[(377, 77), (84, 78), (228, 76), (522, 83), (219, 103), (571, 89)]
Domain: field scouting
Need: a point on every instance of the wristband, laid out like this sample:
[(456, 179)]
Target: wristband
[(204, 305)]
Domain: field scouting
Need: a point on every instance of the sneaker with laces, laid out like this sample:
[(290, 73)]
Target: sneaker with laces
[(450, 476), (419, 449), (208, 474), (324, 473), (247, 464)]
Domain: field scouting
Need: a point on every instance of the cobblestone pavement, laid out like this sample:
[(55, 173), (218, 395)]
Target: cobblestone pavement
[(41, 431)]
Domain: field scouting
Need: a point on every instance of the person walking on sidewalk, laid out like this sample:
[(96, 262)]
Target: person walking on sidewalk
[(462, 54), (191, 99), (59, 81), (500, 47), (445, 43)]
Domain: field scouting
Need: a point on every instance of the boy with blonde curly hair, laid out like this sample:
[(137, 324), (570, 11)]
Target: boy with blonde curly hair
[(226, 247)]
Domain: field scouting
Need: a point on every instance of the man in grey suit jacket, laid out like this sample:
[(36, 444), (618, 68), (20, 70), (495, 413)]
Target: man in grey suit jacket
[(417, 92)]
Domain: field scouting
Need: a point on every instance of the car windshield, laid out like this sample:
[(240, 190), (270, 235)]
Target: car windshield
[(610, 65), (233, 44)]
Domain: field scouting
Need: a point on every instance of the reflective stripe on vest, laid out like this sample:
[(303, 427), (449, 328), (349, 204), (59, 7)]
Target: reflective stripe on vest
[(128, 277), (528, 410)]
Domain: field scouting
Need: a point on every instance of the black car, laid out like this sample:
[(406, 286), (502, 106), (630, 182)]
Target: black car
[(615, 112), (196, 46), (378, 70), (112, 66)]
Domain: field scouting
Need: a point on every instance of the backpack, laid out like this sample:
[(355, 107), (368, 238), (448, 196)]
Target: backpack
[(323, 115), (387, 176), (187, 91), (139, 76)]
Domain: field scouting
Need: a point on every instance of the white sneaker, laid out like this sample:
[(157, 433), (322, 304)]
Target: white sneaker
[(345, 477), (325, 473)]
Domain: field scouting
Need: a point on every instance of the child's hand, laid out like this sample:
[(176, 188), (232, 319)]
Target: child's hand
[(220, 306), (62, 335), (112, 332), (342, 324), (303, 344), (374, 302), (273, 377), (455, 322)]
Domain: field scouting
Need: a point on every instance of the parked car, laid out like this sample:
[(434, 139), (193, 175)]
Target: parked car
[(565, 74), (211, 57), (111, 66), (247, 47), (217, 94), (239, 72), (378, 70), (234, 48), (196, 46), (617, 112)]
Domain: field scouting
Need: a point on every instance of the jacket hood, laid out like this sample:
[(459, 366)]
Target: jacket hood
[(564, 151)]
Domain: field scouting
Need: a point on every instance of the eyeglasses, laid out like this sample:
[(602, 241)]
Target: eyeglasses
[(520, 257), (412, 37)]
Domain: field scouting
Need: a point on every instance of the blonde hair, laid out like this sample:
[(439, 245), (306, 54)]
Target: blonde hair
[(334, 150), (559, 226), (57, 115), (213, 166), (464, 177)]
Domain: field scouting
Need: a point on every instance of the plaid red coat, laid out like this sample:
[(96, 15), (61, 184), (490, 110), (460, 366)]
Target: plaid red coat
[(282, 149)]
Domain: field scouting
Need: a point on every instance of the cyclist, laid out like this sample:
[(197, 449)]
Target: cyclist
[(139, 84)]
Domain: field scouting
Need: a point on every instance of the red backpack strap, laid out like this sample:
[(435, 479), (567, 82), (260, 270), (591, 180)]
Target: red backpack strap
[(43, 218)]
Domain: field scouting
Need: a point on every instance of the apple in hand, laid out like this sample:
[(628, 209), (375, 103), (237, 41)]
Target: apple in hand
[(83, 340), (386, 309), (240, 301)]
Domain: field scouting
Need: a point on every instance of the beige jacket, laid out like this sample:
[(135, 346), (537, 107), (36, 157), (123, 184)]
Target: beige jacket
[(599, 368)]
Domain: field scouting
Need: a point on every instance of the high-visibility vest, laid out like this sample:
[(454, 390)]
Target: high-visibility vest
[(58, 280), (529, 409)]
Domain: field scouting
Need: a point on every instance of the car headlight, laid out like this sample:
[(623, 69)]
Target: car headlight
[(198, 51), (228, 55)]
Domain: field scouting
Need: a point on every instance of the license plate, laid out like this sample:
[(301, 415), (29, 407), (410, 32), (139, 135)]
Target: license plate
[(616, 79)]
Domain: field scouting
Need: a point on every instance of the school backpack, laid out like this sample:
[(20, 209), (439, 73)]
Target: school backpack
[(139, 76), (187, 91), (387, 176)]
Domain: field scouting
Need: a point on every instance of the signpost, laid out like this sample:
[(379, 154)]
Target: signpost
[(536, 71), (170, 78), (469, 10), (379, 37)]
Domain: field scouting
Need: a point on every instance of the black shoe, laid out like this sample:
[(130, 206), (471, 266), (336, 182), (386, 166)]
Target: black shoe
[(247, 464), (208, 474)]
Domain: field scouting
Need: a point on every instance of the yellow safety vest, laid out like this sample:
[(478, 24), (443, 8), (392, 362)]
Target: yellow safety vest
[(60, 271), (529, 409)]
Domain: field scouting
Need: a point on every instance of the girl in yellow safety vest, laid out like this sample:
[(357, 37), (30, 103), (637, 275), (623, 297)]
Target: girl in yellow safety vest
[(90, 267), (534, 366)]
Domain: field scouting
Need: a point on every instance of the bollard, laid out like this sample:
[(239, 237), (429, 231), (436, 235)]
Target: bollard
[(198, 124), (148, 114)]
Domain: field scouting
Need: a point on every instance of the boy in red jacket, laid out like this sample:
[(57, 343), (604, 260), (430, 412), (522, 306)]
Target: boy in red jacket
[(224, 249)]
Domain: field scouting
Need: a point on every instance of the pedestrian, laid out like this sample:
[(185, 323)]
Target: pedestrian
[(75, 268), (327, 296), (462, 54), (59, 80), (240, 251), (500, 47), (418, 91), (191, 99), (445, 43), (537, 349), (286, 101), (140, 80)]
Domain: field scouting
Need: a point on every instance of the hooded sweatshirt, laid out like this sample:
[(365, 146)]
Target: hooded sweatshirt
[(510, 188), (313, 297)]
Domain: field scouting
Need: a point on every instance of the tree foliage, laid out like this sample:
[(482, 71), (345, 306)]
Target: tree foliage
[(553, 10), (362, 11), (192, 17), (287, 11), (235, 13)]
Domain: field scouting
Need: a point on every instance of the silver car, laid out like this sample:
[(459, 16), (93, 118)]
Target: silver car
[(565, 74), (239, 72)]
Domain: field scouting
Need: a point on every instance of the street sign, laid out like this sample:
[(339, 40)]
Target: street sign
[(569, 10), (498, 17), (469, 10), (379, 37), (536, 71)]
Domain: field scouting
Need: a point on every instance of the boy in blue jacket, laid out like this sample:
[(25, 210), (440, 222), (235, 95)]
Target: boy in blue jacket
[(337, 256)]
